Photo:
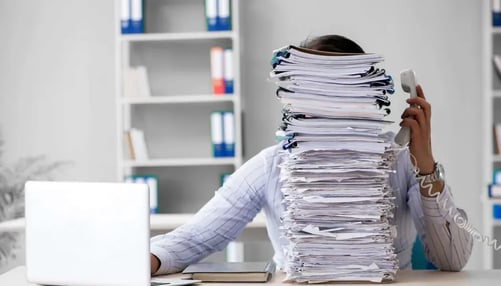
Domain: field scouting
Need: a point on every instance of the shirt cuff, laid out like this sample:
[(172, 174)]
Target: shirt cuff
[(164, 257), (437, 208)]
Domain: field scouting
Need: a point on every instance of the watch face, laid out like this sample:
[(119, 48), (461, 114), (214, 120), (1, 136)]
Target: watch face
[(440, 172)]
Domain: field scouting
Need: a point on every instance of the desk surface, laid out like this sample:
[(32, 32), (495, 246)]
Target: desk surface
[(16, 277)]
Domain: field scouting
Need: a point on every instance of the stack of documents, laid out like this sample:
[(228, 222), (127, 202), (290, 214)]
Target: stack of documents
[(336, 166)]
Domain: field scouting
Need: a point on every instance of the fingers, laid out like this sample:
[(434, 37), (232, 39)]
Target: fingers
[(416, 114), (420, 92), (413, 125), (420, 101)]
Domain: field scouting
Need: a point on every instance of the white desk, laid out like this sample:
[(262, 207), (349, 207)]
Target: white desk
[(17, 277)]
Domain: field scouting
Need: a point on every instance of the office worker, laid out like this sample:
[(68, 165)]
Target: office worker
[(255, 187)]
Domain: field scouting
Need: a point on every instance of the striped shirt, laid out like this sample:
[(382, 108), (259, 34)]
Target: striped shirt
[(255, 186)]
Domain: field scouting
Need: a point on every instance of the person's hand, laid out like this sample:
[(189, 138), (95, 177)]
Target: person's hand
[(417, 118), (155, 263)]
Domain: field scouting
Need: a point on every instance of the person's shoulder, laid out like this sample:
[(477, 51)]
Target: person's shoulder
[(269, 152)]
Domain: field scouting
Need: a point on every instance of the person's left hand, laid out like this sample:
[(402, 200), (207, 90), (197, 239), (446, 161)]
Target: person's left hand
[(417, 118)]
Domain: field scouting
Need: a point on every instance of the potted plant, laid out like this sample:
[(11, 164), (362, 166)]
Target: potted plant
[(12, 180)]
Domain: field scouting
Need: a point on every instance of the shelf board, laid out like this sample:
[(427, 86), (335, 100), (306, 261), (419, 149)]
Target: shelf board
[(157, 222), (178, 99), (171, 221), (15, 225), (152, 37), (180, 162), (496, 30), (496, 222)]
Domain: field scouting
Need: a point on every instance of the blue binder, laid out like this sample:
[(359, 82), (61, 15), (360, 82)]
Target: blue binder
[(229, 134), (136, 16), (228, 71), (211, 15), (125, 16), (216, 122), (223, 15)]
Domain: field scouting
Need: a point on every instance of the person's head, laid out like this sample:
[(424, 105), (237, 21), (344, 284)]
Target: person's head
[(332, 43)]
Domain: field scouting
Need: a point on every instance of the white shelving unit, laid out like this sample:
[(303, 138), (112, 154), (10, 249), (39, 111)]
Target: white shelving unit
[(177, 57), (491, 115)]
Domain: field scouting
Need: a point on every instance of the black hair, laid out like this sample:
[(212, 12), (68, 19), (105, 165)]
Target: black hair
[(332, 43)]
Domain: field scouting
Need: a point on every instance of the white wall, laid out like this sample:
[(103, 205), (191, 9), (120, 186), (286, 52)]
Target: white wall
[(56, 83)]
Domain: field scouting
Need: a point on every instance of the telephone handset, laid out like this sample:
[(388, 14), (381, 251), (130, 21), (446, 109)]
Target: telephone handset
[(408, 82)]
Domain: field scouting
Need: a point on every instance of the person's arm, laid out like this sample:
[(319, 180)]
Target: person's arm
[(217, 223), (441, 226)]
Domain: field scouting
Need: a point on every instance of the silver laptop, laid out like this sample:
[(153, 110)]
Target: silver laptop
[(87, 233)]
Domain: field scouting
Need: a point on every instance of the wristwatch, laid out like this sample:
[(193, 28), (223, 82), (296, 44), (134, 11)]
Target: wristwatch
[(438, 174)]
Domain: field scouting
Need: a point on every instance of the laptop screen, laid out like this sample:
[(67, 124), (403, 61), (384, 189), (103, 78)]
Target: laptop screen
[(87, 233)]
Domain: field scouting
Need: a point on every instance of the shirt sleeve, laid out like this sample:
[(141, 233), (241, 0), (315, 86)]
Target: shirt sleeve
[(443, 229), (217, 223)]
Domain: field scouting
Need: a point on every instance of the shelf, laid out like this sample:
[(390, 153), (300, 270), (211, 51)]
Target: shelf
[(180, 162), (496, 30), (496, 93), (496, 158), (171, 221), (14, 225), (179, 99), (157, 222), (152, 37), (496, 222)]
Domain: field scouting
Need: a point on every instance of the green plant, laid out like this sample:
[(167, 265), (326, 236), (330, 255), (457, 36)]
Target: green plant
[(12, 180)]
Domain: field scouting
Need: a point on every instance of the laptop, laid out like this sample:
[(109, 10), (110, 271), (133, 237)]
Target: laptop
[(87, 233)]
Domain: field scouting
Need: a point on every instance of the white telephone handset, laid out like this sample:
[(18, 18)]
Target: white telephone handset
[(408, 81)]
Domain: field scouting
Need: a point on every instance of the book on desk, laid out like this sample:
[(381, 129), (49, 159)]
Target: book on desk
[(231, 271)]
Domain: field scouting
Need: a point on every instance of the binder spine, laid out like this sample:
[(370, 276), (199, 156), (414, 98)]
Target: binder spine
[(228, 71), (216, 57), (211, 15), (496, 13), (223, 15), (125, 16), (136, 15), (229, 134), (216, 121), (152, 182)]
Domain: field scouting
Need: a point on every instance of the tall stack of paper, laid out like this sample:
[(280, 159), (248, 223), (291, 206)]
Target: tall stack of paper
[(336, 165)]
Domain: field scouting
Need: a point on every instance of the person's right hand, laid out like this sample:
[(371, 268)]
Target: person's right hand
[(155, 263)]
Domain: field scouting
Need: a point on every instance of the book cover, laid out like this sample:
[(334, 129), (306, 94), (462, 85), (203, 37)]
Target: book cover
[(223, 15), (494, 191), (216, 127), (229, 134), (139, 144), (217, 67), (496, 13), (136, 83), (152, 182), (231, 271), (129, 145), (228, 71), (143, 82), (497, 139), (211, 15), (125, 16), (136, 16)]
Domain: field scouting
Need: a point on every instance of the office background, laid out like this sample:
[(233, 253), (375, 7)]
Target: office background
[(57, 77)]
